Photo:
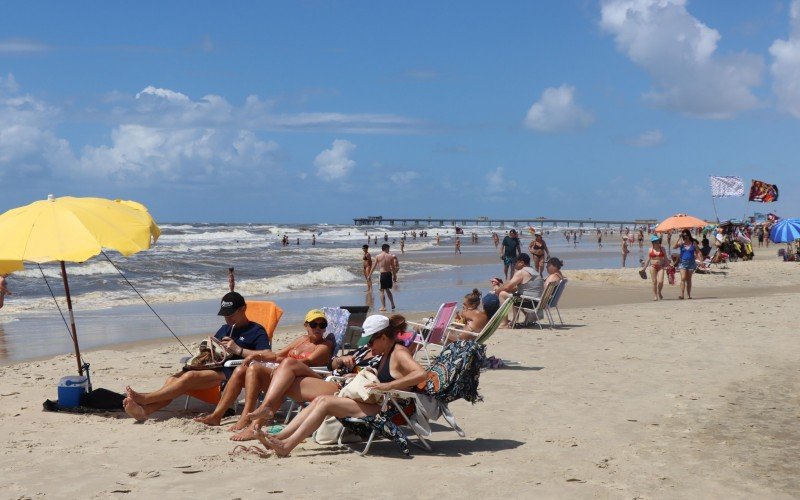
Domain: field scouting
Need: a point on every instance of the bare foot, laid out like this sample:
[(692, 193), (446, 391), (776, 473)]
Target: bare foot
[(133, 395), (274, 444), (209, 419), (134, 409), (260, 414), (246, 435), (382, 309), (240, 424)]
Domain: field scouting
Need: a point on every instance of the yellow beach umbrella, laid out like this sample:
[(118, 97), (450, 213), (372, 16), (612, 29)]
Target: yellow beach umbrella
[(9, 266), (679, 221), (73, 230)]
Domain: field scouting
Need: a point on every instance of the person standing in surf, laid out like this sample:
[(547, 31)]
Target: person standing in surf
[(388, 268), (366, 260)]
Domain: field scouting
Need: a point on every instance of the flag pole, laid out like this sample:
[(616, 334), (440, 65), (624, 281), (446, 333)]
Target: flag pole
[(715, 208)]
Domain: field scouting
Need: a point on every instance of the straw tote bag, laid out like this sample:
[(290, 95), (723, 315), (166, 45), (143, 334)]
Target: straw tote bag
[(356, 389)]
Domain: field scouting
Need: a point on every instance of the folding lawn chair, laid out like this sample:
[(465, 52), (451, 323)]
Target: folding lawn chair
[(437, 329)]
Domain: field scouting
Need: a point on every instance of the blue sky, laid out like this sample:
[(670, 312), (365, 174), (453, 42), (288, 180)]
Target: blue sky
[(318, 111)]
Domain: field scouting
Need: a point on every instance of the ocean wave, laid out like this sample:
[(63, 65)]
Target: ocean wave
[(334, 275), (231, 236), (54, 271)]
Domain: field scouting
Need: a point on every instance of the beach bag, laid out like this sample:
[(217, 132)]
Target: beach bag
[(671, 275), (356, 390), (211, 355), (328, 432)]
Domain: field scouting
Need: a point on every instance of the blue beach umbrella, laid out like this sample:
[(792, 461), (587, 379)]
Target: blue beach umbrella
[(785, 231)]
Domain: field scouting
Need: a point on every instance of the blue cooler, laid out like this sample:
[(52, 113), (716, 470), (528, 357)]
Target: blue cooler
[(70, 390)]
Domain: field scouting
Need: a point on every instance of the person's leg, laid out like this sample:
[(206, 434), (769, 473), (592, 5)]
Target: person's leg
[(654, 278), (660, 277), (683, 283), (178, 384), (282, 379), (257, 379), (383, 299), (229, 395), (689, 274), (324, 406), (391, 298)]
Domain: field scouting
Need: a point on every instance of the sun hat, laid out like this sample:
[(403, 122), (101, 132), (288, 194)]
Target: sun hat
[(655, 238), (373, 324), (230, 302), (314, 314)]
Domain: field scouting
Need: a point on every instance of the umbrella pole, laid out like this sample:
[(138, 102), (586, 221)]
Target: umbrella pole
[(72, 318)]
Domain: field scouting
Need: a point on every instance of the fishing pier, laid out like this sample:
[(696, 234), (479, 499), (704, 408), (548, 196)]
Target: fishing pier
[(499, 222)]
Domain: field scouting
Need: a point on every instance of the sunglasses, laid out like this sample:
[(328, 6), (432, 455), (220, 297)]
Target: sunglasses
[(318, 324)]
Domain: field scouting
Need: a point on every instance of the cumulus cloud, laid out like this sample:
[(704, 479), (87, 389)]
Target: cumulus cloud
[(334, 164), (28, 142), (167, 135), (647, 139), (679, 52), (557, 111), (785, 66), (496, 181), (404, 177)]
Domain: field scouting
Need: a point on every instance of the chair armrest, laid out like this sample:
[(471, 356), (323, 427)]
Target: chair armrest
[(414, 323), (322, 370), (233, 363), (472, 334), (396, 393)]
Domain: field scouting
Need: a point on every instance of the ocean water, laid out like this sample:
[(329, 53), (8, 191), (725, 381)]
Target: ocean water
[(185, 273)]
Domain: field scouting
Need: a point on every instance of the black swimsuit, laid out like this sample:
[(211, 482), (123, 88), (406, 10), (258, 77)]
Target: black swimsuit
[(384, 374)]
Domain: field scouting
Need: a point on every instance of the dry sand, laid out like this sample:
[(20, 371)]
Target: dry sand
[(630, 399)]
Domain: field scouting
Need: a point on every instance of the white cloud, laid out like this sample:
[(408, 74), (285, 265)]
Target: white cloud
[(557, 111), (28, 142), (647, 139), (679, 52), (785, 66), (334, 164), (404, 177), (22, 46), (497, 183)]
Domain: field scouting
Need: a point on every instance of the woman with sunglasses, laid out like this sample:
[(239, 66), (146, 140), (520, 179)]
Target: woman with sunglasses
[(397, 370), (311, 349), (657, 257), (302, 384)]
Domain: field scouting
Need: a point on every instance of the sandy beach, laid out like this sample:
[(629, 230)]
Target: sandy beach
[(630, 399)]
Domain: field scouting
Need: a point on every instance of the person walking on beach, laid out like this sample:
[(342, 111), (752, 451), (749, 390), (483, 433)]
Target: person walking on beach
[(240, 337), (625, 250), (539, 252), (366, 260), (657, 258), (640, 238), (575, 239), (403, 245), (599, 239), (3, 289), (509, 251), (458, 246), (437, 239), (689, 255), (495, 239), (387, 263)]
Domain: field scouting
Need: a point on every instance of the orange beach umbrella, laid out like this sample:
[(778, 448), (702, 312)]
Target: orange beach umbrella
[(679, 221)]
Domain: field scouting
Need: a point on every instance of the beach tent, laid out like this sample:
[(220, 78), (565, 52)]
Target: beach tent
[(69, 229), (679, 221)]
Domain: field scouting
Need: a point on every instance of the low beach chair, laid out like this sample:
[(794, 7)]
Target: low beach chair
[(266, 314), (535, 305), (352, 335), (454, 375), (437, 329)]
